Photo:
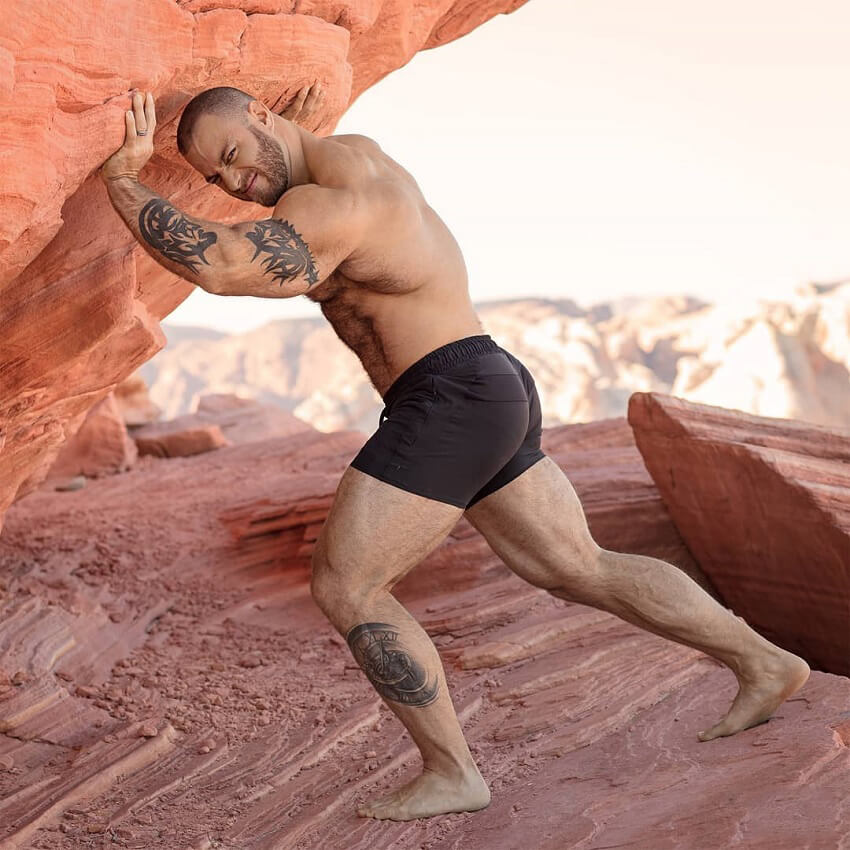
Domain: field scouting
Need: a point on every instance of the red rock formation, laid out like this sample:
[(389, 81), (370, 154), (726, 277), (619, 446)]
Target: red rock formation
[(100, 446), (147, 641), (764, 506), (80, 301), (190, 441)]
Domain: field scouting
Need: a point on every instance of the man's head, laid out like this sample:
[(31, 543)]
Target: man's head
[(230, 137)]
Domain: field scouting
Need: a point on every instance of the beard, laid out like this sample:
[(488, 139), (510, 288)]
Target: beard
[(271, 164)]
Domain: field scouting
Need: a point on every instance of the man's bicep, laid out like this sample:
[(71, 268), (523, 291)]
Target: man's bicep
[(312, 230)]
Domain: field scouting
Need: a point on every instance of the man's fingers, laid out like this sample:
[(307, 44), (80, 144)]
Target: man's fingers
[(150, 112), (139, 113), (129, 125)]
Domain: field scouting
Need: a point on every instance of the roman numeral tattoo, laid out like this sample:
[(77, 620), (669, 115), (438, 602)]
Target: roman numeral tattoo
[(176, 237), (393, 672), (288, 254)]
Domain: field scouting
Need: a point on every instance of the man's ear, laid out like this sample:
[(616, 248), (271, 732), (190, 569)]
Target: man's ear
[(261, 112)]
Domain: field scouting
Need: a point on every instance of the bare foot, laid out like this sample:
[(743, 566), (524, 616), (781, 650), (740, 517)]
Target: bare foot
[(430, 794), (759, 695)]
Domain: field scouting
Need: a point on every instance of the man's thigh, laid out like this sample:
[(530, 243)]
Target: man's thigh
[(536, 525), (376, 532)]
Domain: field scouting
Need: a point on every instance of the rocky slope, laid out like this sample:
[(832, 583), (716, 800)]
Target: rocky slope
[(166, 680), (80, 302), (786, 359)]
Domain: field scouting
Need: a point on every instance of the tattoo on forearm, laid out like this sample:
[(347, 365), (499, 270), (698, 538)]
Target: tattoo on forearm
[(176, 237), (393, 672), (288, 254)]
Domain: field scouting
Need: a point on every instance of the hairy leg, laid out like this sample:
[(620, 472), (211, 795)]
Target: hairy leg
[(662, 599), (537, 526), (374, 534), (403, 666)]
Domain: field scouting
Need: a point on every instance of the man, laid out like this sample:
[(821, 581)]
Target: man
[(459, 433)]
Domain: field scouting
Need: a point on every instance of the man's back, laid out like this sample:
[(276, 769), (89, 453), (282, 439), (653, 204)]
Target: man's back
[(404, 290)]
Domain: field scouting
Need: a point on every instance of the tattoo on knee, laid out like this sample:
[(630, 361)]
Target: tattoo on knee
[(393, 672)]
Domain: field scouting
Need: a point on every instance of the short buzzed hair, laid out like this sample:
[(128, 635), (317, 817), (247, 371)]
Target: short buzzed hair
[(222, 100)]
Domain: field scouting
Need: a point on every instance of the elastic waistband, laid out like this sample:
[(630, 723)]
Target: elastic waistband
[(440, 360)]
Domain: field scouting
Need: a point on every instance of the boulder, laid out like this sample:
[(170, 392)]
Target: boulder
[(182, 443), (101, 445), (240, 420), (763, 505)]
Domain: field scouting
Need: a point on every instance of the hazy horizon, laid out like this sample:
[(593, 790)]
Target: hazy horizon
[(593, 151)]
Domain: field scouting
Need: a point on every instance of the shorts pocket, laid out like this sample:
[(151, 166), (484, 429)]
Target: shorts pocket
[(415, 418), (404, 423)]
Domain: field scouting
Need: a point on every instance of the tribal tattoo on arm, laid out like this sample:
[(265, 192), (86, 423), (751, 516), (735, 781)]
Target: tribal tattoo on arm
[(393, 672), (215, 256), (286, 255), (176, 236)]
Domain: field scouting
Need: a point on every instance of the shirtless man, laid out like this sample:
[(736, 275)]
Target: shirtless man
[(459, 433)]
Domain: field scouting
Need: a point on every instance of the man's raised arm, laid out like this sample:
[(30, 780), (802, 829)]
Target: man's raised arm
[(313, 228)]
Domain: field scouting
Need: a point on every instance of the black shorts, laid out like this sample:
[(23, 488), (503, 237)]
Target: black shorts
[(457, 424)]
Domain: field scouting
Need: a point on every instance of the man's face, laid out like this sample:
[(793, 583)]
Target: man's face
[(242, 157)]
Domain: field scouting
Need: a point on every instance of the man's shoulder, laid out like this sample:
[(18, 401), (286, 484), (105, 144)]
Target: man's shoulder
[(333, 222), (316, 202), (356, 140), (314, 196)]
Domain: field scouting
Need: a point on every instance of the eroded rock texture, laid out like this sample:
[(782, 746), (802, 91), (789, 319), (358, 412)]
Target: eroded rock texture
[(173, 643), (764, 506), (80, 303)]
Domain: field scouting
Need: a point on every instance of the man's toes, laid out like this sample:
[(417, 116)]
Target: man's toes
[(374, 808), (377, 812), (719, 730)]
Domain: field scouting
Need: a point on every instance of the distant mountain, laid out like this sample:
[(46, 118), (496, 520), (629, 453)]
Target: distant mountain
[(175, 334), (787, 358)]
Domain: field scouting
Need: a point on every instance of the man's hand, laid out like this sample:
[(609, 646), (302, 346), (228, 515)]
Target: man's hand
[(139, 126), (305, 109)]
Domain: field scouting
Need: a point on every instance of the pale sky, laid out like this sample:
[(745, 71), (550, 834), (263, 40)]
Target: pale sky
[(591, 149)]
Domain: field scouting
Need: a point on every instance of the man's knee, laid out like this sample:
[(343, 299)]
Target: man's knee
[(335, 590), (325, 586), (578, 576)]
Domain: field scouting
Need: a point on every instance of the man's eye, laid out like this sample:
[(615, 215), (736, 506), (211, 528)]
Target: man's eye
[(230, 155)]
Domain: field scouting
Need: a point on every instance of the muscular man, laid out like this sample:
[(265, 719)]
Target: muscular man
[(459, 433)]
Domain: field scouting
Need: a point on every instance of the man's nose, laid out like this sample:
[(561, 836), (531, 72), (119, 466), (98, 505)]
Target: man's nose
[(231, 180)]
